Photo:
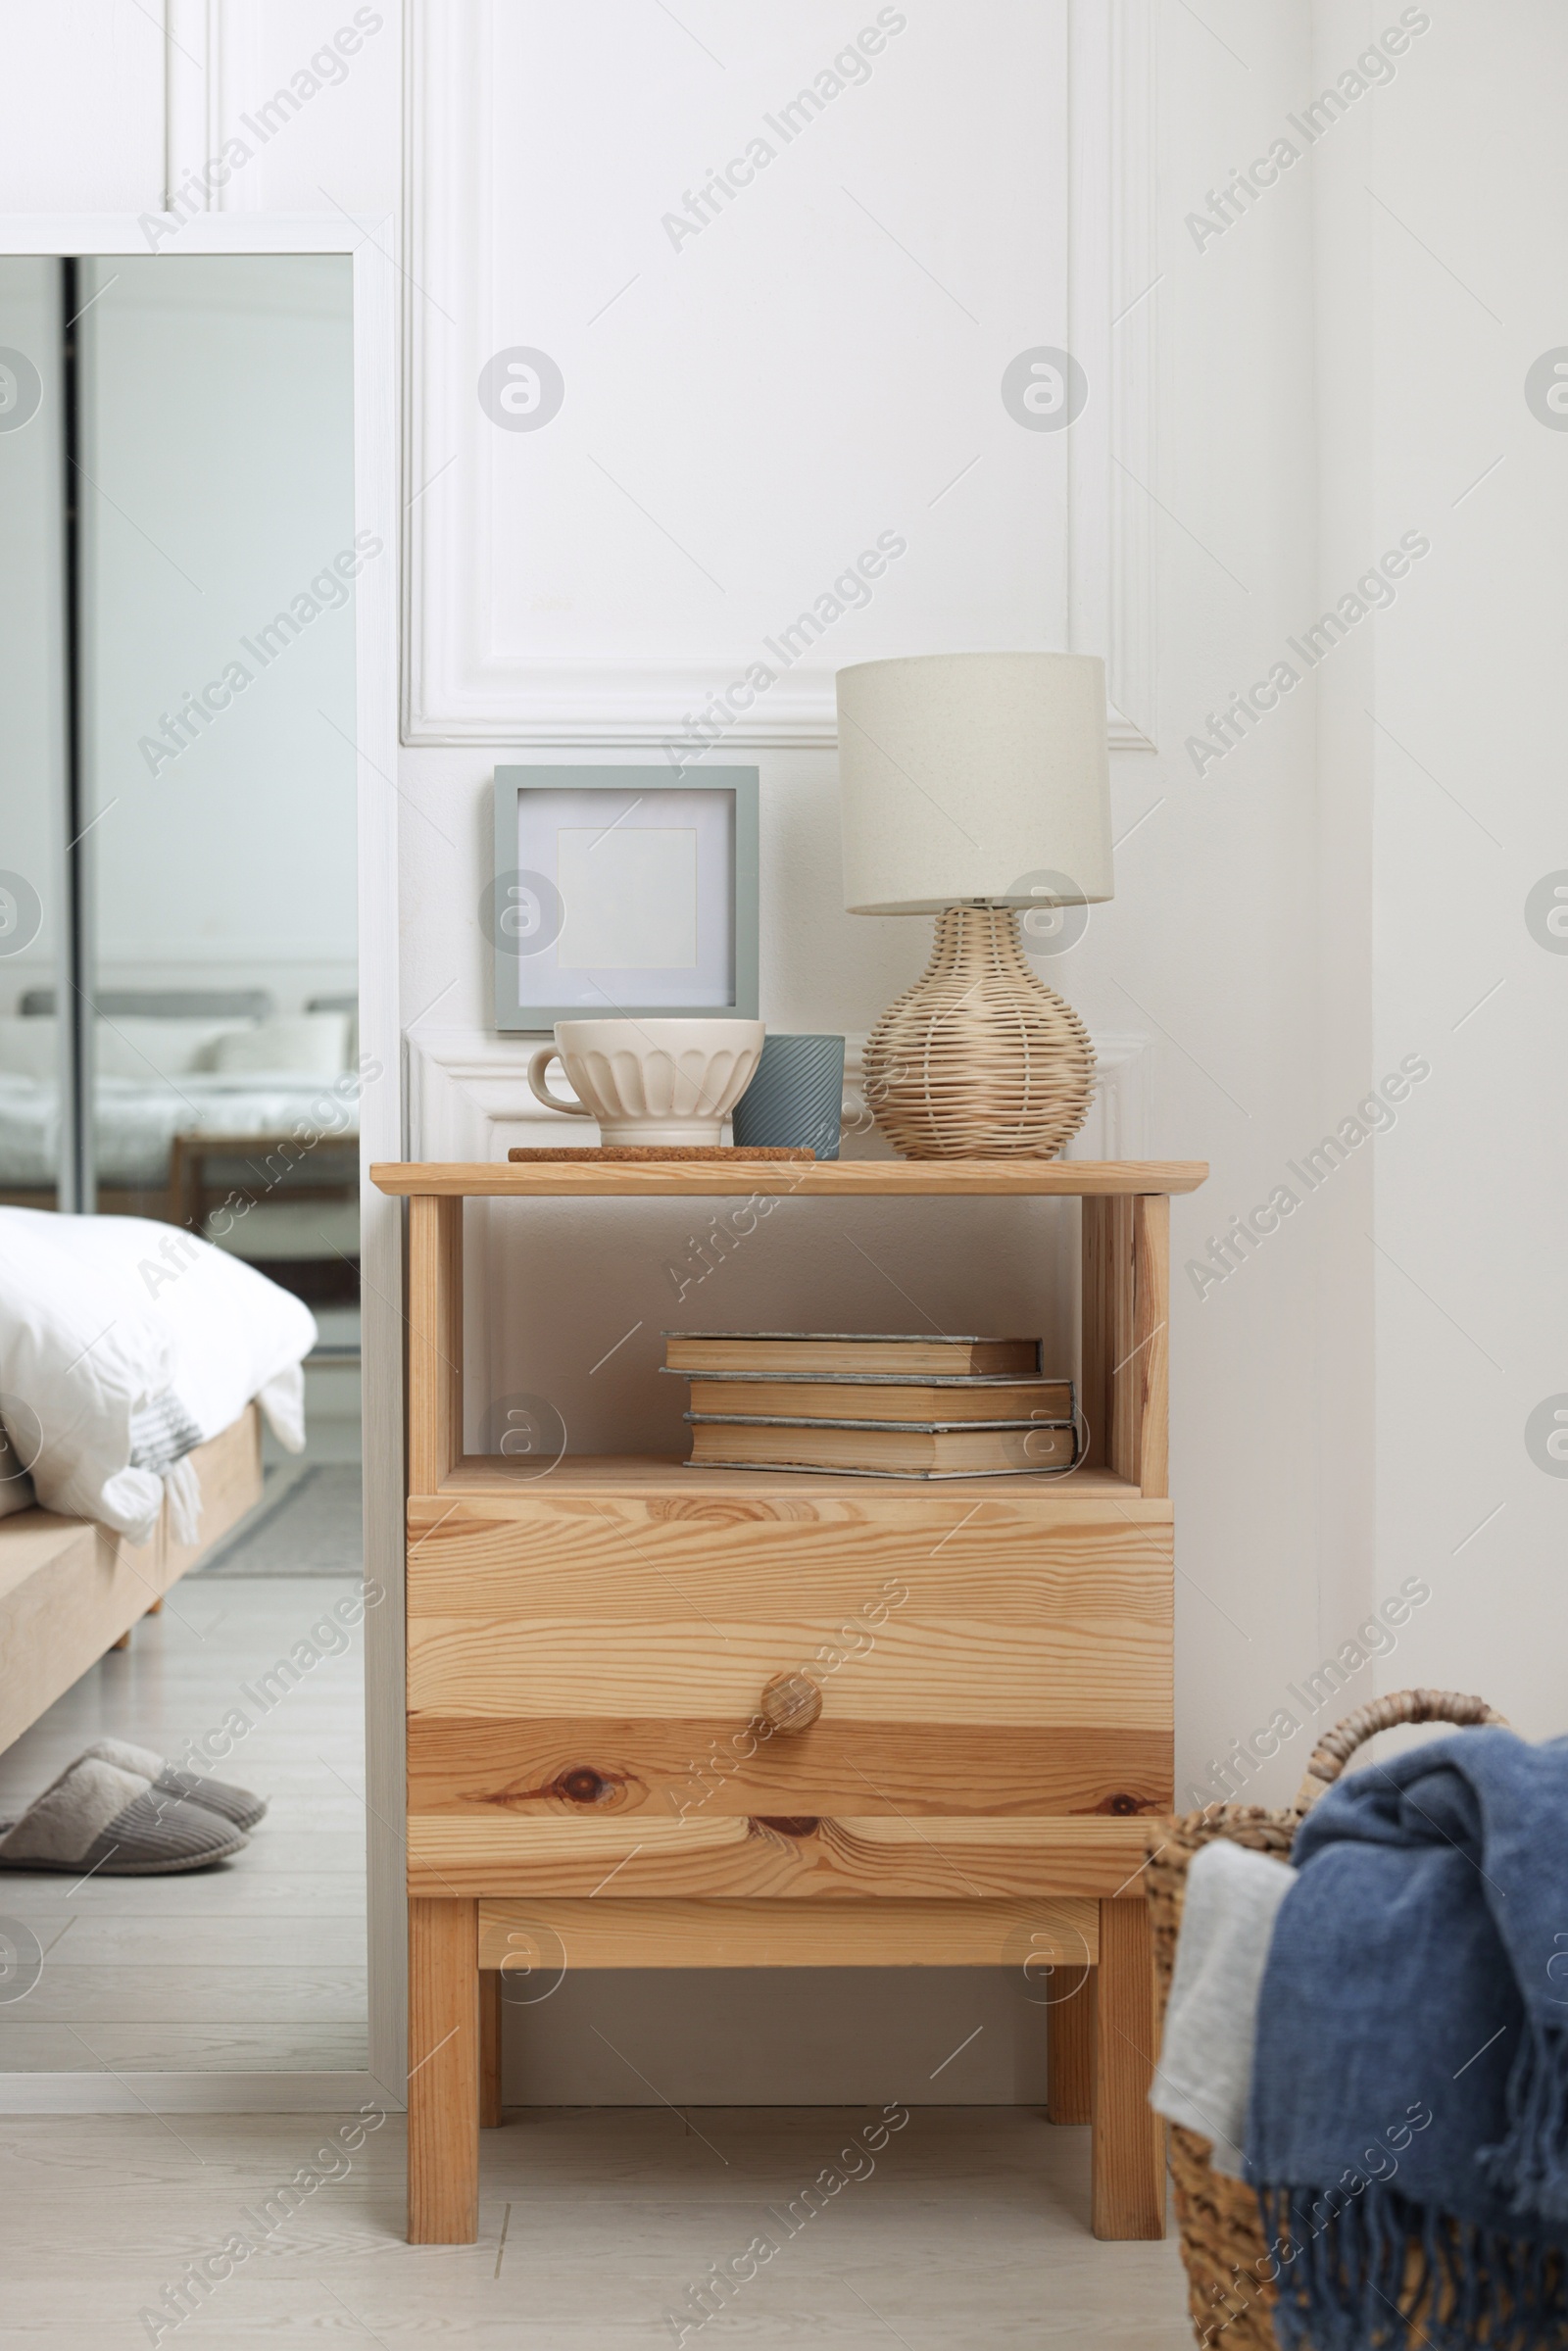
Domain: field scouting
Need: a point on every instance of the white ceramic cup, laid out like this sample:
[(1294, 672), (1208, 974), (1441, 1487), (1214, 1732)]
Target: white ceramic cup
[(651, 1081)]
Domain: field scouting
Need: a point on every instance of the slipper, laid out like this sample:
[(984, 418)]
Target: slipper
[(237, 1805), (97, 1817)]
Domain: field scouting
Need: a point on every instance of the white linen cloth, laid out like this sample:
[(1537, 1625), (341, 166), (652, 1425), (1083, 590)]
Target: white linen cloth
[(134, 1123), (1205, 2076), (123, 1344)]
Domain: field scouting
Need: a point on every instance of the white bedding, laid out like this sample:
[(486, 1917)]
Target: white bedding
[(135, 1123), (125, 1343)]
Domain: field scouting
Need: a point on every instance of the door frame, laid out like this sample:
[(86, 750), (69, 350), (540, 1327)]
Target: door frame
[(369, 243)]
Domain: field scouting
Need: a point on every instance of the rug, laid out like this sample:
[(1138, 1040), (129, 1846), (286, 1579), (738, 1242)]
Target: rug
[(307, 1523)]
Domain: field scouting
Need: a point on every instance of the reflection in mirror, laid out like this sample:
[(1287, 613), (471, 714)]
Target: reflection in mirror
[(179, 1065)]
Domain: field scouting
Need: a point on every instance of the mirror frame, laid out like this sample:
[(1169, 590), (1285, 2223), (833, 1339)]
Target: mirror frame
[(369, 243)]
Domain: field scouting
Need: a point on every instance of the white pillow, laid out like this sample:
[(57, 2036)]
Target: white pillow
[(309, 1044), (135, 1044), (28, 1047), (79, 1353), (101, 1317), (230, 1330)]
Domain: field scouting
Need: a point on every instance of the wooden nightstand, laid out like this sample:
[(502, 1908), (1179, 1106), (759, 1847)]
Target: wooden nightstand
[(588, 1652)]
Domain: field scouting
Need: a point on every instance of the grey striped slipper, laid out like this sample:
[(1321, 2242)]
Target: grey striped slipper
[(237, 1805), (97, 1817)]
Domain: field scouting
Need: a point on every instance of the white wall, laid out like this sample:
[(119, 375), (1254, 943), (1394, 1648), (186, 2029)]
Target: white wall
[(1211, 939), (1287, 923), (1470, 1281)]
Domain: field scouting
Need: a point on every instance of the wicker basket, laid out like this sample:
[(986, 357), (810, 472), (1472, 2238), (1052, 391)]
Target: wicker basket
[(1229, 2292)]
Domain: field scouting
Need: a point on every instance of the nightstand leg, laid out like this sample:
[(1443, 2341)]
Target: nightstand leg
[(1070, 2053), (443, 2072), (1129, 2141), (489, 2048)]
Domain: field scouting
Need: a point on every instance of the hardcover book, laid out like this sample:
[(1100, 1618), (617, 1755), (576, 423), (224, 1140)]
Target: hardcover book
[(898, 1452), (859, 1401), (896, 1354)]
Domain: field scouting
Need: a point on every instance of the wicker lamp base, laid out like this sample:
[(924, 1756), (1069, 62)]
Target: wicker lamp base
[(979, 1060)]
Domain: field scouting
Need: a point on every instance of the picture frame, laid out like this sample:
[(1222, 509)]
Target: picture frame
[(623, 890)]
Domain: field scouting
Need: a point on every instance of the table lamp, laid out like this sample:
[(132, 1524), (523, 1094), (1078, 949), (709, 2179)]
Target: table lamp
[(973, 785)]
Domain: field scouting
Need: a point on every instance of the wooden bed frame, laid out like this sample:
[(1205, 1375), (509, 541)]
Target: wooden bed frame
[(70, 1590)]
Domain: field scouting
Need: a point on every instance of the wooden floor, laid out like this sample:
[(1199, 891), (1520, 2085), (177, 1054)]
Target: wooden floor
[(594, 2224), (258, 1964)]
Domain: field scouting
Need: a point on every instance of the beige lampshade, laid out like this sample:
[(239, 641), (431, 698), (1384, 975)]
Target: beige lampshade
[(964, 776)]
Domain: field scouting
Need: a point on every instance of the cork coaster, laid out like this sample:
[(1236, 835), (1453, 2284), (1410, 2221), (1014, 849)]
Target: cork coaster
[(668, 1151)]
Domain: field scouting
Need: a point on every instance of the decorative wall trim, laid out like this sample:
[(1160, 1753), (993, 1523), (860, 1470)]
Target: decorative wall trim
[(457, 692), (1112, 277), (1121, 1113), (192, 91), (211, 68)]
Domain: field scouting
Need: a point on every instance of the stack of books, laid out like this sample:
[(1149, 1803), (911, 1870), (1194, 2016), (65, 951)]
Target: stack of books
[(874, 1405)]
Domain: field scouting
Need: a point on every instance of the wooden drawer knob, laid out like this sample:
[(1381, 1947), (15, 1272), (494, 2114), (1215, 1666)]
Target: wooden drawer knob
[(791, 1702)]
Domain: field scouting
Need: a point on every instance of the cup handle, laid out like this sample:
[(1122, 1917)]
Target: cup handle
[(541, 1093)]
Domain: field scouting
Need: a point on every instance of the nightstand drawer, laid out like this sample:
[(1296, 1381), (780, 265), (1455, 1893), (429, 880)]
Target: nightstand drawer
[(778, 1858), (977, 1653)]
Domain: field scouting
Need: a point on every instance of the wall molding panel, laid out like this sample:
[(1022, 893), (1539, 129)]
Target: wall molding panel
[(508, 641), (1114, 273)]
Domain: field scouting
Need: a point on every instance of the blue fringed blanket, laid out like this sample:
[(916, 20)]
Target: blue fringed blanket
[(1411, 2078)]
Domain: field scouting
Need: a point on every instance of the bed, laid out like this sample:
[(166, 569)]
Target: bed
[(136, 1367), (70, 1589), (201, 1096), (137, 1124)]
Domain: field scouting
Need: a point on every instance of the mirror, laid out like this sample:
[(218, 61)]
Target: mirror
[(178, 1045)]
